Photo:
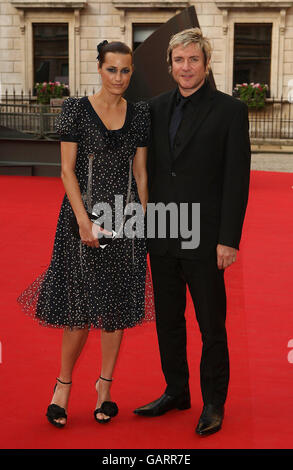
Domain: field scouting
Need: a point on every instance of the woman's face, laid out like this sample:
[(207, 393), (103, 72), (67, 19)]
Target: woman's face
[(116, 72)]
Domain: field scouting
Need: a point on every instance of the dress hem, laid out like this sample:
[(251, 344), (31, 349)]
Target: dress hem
[(90, 327)]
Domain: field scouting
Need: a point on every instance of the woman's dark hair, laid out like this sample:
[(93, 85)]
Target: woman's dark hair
[(115, 46)]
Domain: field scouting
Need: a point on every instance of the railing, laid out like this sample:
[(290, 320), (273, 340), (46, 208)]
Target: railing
[(274, 121), (31, 98), (24, 114), (35, 119)]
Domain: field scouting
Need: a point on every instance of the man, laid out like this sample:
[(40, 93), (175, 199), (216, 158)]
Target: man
[(200, 153)]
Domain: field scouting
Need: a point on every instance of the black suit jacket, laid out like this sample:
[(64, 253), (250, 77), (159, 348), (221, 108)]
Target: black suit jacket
[(210, 166)]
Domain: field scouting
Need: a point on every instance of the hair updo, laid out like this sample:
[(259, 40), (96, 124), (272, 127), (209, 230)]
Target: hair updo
[(115, 47)]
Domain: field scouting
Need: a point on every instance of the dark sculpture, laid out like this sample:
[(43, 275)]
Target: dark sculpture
[(151, 76)]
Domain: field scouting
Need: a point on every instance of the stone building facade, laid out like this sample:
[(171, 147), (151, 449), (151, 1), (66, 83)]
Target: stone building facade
[(235, 28)]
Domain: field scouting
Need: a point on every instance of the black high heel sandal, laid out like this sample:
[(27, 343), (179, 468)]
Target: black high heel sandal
[(108, 408), (55, 411)]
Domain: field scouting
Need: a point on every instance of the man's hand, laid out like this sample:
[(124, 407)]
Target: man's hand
[(225, 256)]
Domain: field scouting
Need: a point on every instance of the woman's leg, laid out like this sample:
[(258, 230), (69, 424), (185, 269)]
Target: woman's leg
[(73, 342), (110, 345)]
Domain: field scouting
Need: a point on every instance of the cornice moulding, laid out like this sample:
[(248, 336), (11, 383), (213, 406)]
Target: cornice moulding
[(252, 4), (145, 4), (26, 4)]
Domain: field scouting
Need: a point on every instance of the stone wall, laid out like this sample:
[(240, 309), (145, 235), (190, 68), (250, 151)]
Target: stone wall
[(105, 19)]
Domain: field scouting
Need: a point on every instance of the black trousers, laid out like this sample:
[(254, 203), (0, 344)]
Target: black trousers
[(206, 284)]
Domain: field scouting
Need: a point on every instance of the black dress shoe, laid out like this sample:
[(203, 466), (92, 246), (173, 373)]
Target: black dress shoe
[(165, 403), (210, 420)]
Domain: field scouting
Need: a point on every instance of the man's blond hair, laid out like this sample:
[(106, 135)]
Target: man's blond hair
[(186, 37)]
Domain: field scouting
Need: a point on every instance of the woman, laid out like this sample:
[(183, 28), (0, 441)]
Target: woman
[(103, 155)]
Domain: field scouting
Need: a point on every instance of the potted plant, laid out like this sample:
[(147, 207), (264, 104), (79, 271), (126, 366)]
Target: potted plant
[(47, 91), (253, 94)]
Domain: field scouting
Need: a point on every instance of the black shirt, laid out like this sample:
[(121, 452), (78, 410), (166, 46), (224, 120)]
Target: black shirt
[(181, 105)]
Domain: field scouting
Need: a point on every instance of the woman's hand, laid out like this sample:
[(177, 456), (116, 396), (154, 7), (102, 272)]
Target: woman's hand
[(88, 234)]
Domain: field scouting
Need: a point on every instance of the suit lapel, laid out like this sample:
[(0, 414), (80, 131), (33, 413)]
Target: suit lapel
[(194, 119)]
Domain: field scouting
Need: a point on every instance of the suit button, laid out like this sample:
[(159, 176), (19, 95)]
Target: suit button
[(173, 173)]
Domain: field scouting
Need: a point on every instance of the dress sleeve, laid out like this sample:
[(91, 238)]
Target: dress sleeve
[(144, 125), (66, 123)]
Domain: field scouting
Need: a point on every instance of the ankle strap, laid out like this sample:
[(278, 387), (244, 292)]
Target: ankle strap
[(107, 380), (64, 383)]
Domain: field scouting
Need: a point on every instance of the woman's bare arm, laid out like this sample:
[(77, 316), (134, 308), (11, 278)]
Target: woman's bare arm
[(68, 160)]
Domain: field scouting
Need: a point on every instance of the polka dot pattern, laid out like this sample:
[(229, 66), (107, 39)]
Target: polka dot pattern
[(86, 287)]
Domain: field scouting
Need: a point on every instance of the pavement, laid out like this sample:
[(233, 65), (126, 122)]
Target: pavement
[(272, 158), (272, 162)]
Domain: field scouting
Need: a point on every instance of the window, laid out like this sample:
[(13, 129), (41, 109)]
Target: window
[(50, 52), (141, 32), (252, 53)]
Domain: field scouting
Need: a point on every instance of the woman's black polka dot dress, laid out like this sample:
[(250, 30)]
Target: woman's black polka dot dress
[(87, 287)]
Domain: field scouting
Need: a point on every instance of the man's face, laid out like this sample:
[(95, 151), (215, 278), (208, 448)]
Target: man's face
[(188, 68)]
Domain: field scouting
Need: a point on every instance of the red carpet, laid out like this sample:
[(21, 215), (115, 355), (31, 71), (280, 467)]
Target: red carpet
[(260, 325)]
